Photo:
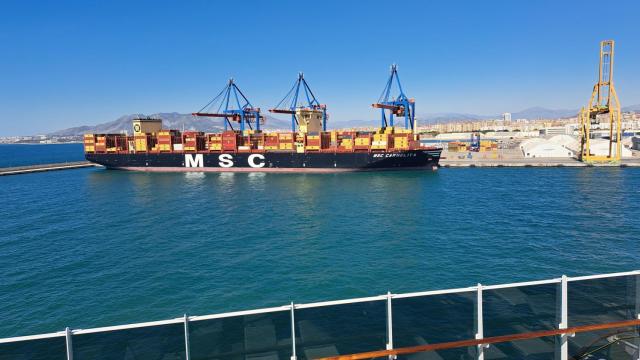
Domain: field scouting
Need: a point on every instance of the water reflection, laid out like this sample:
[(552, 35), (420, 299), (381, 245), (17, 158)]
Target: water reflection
[(257, 180), (194, 178), (226, 178)]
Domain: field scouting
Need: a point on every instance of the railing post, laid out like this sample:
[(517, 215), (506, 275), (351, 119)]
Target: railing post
[(564, 322), (293, 333), (69, 343), (479, 323), (187, 352), (389, 326)]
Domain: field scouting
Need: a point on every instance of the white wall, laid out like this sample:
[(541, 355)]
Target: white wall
[(546, 149)]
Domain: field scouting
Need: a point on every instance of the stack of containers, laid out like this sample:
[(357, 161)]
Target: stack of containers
[(325, 140), (380, 141), (414, 141), (123, 143), (345, 141), (201, 141), (89, 143), (257, 141), (245, 142), (363, 141), (457, 146), (152, 142), (192, 141), (101, 143), (165, 141), (334, 139), (285, 141), (313, 142), (142, 140), (229, 141), (214, 142), (111, 142), (271, 142), (116, 143), (488, 145), (401, 141), (300, 142)]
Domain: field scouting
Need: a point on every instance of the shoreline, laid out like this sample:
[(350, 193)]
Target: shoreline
[(16, 170), (541, 162)]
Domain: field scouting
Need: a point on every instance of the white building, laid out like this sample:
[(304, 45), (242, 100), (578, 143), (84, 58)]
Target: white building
[(554, 130), (566, 141), (600, 147), (506, 117), (541, 148)]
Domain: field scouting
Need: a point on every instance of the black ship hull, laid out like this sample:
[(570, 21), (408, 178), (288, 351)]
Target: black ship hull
[(422, 159)]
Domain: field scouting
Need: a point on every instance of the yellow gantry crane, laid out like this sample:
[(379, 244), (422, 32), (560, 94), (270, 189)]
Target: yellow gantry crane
[(603, 107)]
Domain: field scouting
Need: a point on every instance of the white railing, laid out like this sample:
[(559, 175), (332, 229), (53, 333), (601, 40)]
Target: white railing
[(479, 318)]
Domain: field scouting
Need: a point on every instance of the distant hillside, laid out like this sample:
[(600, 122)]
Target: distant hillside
[(188, 122), (449, 117), (169, 120), (634, 108), (543, 113), (533, 113)]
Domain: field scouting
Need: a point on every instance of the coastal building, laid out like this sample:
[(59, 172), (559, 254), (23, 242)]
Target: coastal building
[(542, 148), (553, 130), (600, 147), (567, 141)]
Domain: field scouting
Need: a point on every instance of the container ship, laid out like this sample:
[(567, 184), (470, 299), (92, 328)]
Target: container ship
[(308, 147)]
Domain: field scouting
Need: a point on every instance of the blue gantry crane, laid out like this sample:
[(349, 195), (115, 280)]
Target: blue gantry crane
[(232, 105), (400, 106), (294, 102)]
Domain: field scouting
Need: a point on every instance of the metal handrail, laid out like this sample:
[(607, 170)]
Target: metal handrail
[(485, 341), (388, 298)]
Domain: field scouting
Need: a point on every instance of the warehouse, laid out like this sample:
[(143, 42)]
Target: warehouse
[(530, 142), (566, 141), (544, 149), (600, 147)]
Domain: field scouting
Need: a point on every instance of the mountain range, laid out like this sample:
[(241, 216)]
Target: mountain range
[(532, 113), (170, 121), (188, 122)]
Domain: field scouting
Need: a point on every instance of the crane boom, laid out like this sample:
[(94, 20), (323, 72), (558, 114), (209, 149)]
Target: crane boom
[(300, 99), (400, 105), (232, 105)]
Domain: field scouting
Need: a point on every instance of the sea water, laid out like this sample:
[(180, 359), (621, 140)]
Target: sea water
[(93, 247), (35, 154)]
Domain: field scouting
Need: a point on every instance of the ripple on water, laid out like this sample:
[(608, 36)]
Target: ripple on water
[(89, 247)]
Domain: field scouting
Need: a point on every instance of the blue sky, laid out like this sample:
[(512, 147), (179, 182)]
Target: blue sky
[(69, 63)]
